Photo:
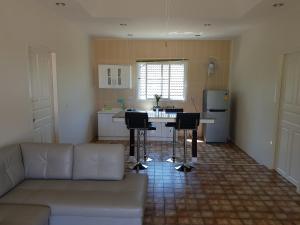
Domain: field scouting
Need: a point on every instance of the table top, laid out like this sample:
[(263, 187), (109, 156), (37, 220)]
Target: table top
[(161, 117)]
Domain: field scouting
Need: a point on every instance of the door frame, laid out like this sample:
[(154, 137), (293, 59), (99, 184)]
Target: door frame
[(277, 99), (55, 96), (53, 86)]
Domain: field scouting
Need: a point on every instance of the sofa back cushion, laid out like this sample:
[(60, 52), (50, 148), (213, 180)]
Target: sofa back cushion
[(11, 168), (47, 161), (98, 162)]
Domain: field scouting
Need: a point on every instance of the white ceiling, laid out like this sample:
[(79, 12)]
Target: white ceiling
[(169, 19)]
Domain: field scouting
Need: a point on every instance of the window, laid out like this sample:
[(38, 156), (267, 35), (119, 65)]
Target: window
[(163, 78)]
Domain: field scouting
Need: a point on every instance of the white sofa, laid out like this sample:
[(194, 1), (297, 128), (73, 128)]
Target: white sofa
[(69, 185)]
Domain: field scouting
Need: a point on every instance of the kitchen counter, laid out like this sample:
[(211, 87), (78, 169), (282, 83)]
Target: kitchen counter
[(161, 117), (108, 129)]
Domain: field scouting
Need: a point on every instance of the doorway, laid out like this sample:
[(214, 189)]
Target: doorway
[(43, 93), (288, 132)]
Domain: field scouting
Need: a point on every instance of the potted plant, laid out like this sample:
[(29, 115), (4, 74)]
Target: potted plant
[(157, 98)]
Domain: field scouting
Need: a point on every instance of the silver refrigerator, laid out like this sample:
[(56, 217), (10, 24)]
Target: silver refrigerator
[(216, 105)]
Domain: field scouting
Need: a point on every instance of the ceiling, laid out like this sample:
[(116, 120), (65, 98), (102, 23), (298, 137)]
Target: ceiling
[(169, 19)]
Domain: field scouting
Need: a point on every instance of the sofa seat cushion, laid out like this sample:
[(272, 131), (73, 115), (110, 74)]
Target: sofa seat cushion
[(14, 214), (123, 198)]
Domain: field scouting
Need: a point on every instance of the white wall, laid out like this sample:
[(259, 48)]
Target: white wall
[(254, 77), (24, 23)]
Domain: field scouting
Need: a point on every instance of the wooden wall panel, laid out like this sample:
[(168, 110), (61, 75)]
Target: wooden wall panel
[(121, 51)]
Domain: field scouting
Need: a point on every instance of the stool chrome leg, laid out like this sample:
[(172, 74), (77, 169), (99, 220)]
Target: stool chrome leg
[(138, 166), (146, 157), (184, 167), (173, 159)]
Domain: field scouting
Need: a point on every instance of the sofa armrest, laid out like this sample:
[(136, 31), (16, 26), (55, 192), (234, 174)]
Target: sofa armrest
[(11, 168), (98, 162)]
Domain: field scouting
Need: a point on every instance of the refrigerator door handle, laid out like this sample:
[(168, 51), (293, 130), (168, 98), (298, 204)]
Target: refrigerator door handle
[(217, 110)]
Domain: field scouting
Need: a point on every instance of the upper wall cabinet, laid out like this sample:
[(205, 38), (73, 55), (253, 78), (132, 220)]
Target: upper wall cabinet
[(114, 76)]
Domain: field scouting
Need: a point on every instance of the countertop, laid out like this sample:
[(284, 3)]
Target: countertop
[(110, 111), (162, 117)]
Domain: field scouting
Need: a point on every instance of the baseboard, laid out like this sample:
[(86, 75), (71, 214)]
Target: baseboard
[(127, 139), (290, 179), (93, 140), (270, 167), (112, 138), (159, 139), (281, 172)]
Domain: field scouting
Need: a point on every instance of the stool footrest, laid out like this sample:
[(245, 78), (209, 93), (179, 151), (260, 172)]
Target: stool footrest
[(184, 168), (173, 160), (147, 158), (139, 166)]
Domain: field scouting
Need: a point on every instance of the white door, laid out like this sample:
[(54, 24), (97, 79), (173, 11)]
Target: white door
[(288, 150), (41, 89)]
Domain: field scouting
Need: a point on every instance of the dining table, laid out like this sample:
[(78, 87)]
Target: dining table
[(164, 117)]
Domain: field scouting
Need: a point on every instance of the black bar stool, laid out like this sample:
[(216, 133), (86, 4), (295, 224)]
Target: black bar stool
[(186, 121), (173, 125), (139, 121), (146, 156)]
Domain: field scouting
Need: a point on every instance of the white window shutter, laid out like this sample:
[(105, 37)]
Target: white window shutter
[(141, 76), (162, 78), (177, 82)]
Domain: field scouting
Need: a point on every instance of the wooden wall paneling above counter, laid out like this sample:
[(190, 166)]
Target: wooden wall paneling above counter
[(197, 52)]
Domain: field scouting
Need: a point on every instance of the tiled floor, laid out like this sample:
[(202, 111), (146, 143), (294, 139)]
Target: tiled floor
[(226, 187)]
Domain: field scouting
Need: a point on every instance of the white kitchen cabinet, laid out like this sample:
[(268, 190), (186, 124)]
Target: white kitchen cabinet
[(114, 76), (167, 132), (162, 133), (154, 134), (109, 130)]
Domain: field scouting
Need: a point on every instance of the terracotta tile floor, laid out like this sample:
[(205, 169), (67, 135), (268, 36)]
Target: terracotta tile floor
[(225, 187)]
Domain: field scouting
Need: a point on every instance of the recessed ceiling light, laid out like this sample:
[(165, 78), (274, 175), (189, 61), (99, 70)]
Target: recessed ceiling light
[(123, 24), (188, 33), (207, 24), (173, 33), (278, 4), (60, 4), (185, 33)]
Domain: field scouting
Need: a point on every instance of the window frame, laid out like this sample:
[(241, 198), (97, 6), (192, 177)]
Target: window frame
[(162, 62)]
